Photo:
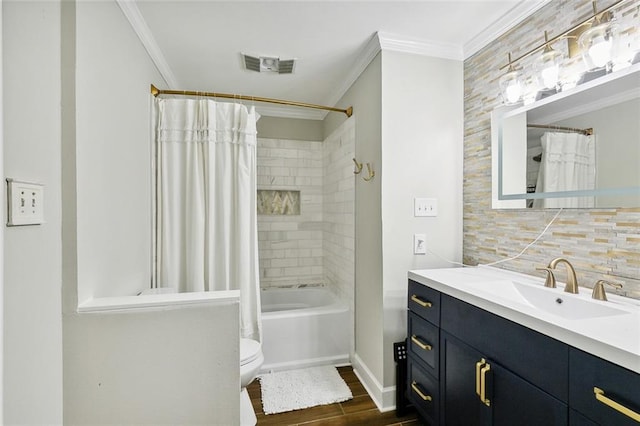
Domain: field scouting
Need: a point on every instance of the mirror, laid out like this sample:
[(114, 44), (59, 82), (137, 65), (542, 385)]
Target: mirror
[(591, 154)]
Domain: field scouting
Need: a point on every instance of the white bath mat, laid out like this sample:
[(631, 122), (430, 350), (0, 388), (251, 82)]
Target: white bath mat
[(296, 389)]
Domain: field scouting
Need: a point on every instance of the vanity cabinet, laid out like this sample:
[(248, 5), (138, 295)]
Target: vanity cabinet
[(490, 371), (617, 389)]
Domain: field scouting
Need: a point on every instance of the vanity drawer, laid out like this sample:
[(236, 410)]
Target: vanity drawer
[(424, 342), (619, 386), (425, 302), (423, 392)]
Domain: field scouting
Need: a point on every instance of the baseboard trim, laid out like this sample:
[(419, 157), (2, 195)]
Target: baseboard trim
[(383, 397)]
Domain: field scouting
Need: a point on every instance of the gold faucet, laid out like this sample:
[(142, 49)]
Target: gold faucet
[(572, 280), (598, 289)]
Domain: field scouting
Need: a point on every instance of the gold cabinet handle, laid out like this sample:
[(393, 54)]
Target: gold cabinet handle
[(479, 366), (483, 384), (421, 394), (616, 406), (417, 341), (421, 302)]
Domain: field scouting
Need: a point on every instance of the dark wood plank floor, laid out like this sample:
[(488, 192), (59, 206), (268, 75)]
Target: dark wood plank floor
[(360, 410)]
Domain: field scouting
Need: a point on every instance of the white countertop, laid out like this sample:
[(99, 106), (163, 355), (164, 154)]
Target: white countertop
[(615, 338)]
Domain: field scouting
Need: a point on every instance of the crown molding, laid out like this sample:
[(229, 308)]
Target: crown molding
[(132, 13), (513, 17), (402, 44)]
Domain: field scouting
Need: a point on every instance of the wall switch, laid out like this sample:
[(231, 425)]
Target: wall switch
[(25, 203), (419, 244), (425, 207)]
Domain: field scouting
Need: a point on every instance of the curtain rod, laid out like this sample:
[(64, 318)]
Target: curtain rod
[(155, 92), (586, 132)]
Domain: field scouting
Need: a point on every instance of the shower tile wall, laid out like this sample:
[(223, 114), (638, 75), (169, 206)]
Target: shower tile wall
[(601, 243), (338, 211), (290, 246)]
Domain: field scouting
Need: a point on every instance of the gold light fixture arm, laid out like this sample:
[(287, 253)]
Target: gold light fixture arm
[(156, 92), (563, 34)]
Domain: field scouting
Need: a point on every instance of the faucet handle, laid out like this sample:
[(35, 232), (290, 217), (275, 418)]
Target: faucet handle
[(551, 279), (598, 289)]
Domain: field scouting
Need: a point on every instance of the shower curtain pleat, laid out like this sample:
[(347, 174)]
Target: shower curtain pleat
[(568, 164), (206, 232)]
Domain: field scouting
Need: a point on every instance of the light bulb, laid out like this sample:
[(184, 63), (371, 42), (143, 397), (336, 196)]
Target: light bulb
[(550, 76), (513, 92), (600, 51)]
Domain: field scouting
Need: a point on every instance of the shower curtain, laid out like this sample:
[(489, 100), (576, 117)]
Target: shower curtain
[(568, 164), (206, 224)]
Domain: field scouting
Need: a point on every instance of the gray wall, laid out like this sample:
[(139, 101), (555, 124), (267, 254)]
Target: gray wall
[(408, 111), (32, 254)]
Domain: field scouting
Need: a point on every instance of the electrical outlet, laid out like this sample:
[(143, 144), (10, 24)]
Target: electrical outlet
[(25, 203), (419, 244), (425, 207)]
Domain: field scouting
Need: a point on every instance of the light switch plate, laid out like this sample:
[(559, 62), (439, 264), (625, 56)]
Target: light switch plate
[(25, 203), (425, 207)]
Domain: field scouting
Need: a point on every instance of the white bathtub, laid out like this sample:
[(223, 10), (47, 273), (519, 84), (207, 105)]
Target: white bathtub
[(303, 327)]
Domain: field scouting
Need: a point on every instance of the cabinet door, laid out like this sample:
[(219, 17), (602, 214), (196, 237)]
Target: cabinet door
[(508, 399), (461, 406), (617, 401), (517, 402)]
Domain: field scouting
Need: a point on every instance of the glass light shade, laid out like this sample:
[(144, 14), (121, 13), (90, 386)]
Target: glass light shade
[(548, 68), (511, 87), (598, 45)]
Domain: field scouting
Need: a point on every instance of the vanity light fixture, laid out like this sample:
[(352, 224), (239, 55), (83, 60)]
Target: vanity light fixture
[(598, 43), (548, 66), (511, 85)]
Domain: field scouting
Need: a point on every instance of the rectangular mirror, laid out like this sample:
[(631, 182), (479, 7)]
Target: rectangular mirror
[(576, 149)]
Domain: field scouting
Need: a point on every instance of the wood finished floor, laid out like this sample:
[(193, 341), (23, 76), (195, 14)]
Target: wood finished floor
[(358, 411)]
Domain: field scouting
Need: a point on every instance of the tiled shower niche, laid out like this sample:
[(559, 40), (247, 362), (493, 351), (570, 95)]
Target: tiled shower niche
[(278, 202)]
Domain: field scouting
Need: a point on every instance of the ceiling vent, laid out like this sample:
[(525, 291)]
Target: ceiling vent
[(269, 64)]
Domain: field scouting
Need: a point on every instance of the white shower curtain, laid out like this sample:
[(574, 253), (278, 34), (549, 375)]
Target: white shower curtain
[(206, 224), (568, 164)]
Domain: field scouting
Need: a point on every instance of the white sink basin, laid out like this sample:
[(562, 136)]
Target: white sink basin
[(566, 305), (551, 301)]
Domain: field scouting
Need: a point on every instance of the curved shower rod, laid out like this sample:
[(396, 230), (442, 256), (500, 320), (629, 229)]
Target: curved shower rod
[(155, 92)]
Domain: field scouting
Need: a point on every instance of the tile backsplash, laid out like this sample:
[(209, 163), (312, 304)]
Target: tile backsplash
[(601, 243)]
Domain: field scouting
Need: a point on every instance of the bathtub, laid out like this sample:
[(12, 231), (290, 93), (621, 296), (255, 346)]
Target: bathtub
[(303, 327)]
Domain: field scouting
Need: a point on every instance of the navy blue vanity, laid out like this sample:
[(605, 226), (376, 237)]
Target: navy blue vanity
[(474, 362)]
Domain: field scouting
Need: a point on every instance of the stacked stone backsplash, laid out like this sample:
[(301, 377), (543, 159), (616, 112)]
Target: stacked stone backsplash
[(600, 243)]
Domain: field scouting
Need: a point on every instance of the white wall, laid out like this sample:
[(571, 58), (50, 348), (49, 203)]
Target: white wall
[(113, 148), (32, 254), (422, 132), (173, 364)]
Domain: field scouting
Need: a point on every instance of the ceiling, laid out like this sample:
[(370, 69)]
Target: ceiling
[(197, 45)]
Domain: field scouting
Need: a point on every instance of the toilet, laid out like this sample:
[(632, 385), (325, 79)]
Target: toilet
[(251, 360)]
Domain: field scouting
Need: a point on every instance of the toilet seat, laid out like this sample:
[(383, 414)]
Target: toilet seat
[(250, 350)]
